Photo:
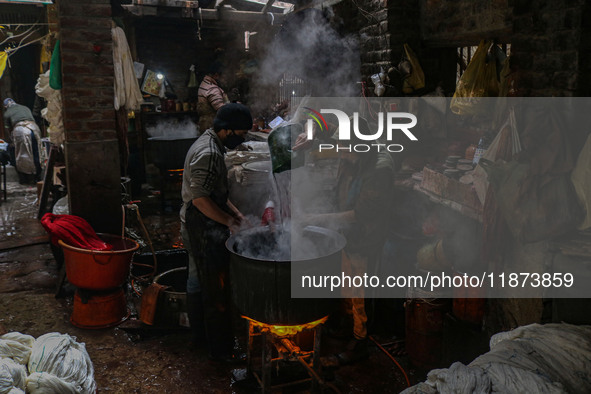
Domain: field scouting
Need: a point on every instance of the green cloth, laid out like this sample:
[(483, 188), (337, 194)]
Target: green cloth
[(55, 68)]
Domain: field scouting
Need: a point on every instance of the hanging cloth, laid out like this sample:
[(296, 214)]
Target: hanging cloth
[(192, 77), (127, 89), (55, 68)]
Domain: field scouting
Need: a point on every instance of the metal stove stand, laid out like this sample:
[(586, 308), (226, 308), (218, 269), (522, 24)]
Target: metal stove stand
[(277, 351)]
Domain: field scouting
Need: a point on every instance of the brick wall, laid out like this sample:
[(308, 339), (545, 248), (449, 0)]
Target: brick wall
[(91, 150), (384, 26), (546, 37), (546, 40), (464, 22)]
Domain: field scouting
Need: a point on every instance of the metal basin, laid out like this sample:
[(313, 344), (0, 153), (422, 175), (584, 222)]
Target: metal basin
[(169, 153), (173, 303), (260, 268)]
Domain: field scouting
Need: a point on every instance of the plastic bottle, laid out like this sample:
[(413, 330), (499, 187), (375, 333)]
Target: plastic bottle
[(479, 151)]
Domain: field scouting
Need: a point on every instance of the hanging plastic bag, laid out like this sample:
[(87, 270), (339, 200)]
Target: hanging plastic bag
[(3, 60), (479, 80), (508, 134), (414, 80), (378, 80)]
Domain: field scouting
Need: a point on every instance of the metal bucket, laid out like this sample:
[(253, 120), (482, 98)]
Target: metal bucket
[(171, 308), (261, 288), (424, 331), (469, 303)]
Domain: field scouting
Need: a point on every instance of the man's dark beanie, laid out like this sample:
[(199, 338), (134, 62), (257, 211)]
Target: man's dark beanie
[(233, 116)]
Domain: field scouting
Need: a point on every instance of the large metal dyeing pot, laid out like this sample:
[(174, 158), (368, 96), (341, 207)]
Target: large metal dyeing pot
[(169, 153), (260, 268)]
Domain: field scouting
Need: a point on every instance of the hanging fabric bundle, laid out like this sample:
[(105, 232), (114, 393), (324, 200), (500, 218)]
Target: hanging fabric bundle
[(127, 89)]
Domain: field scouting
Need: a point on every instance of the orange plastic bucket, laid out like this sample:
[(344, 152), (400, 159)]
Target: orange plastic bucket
[(99, 270), (99, 310)]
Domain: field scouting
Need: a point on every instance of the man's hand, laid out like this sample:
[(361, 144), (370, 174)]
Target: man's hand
[(243, 147), (233, 224), (238, 220)]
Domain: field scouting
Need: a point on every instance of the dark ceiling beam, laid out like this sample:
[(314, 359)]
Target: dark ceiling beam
[(221, 14), (302, 5)]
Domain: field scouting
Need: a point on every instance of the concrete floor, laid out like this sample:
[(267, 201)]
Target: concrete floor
[(136, 360)]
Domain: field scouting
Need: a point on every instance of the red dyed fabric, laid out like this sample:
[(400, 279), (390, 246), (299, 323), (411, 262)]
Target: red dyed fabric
[(74, 231)]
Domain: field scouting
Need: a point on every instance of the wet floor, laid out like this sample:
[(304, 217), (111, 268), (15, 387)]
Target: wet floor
[(135, 359)]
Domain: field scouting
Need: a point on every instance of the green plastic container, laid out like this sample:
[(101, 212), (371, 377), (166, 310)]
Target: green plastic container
[(281, 140)]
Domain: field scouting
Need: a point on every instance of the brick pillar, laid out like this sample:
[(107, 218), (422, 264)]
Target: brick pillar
[(374, 39), (404, 26), (91, 148), (390, 24)]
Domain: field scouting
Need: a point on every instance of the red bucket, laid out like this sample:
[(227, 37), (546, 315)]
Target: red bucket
[(99, 270)]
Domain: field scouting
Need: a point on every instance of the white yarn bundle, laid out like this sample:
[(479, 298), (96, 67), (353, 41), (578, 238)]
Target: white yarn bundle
[(59, 356), (56, 363), (12, 376)]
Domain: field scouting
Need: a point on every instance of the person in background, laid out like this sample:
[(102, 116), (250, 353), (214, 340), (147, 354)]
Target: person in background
[(207, 219), (25, 136), (364, 189), (210, 97)]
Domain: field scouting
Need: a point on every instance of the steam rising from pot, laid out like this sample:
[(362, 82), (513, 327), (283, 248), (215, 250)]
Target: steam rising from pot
[(283, 244), (310, 47), (172, 129)]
